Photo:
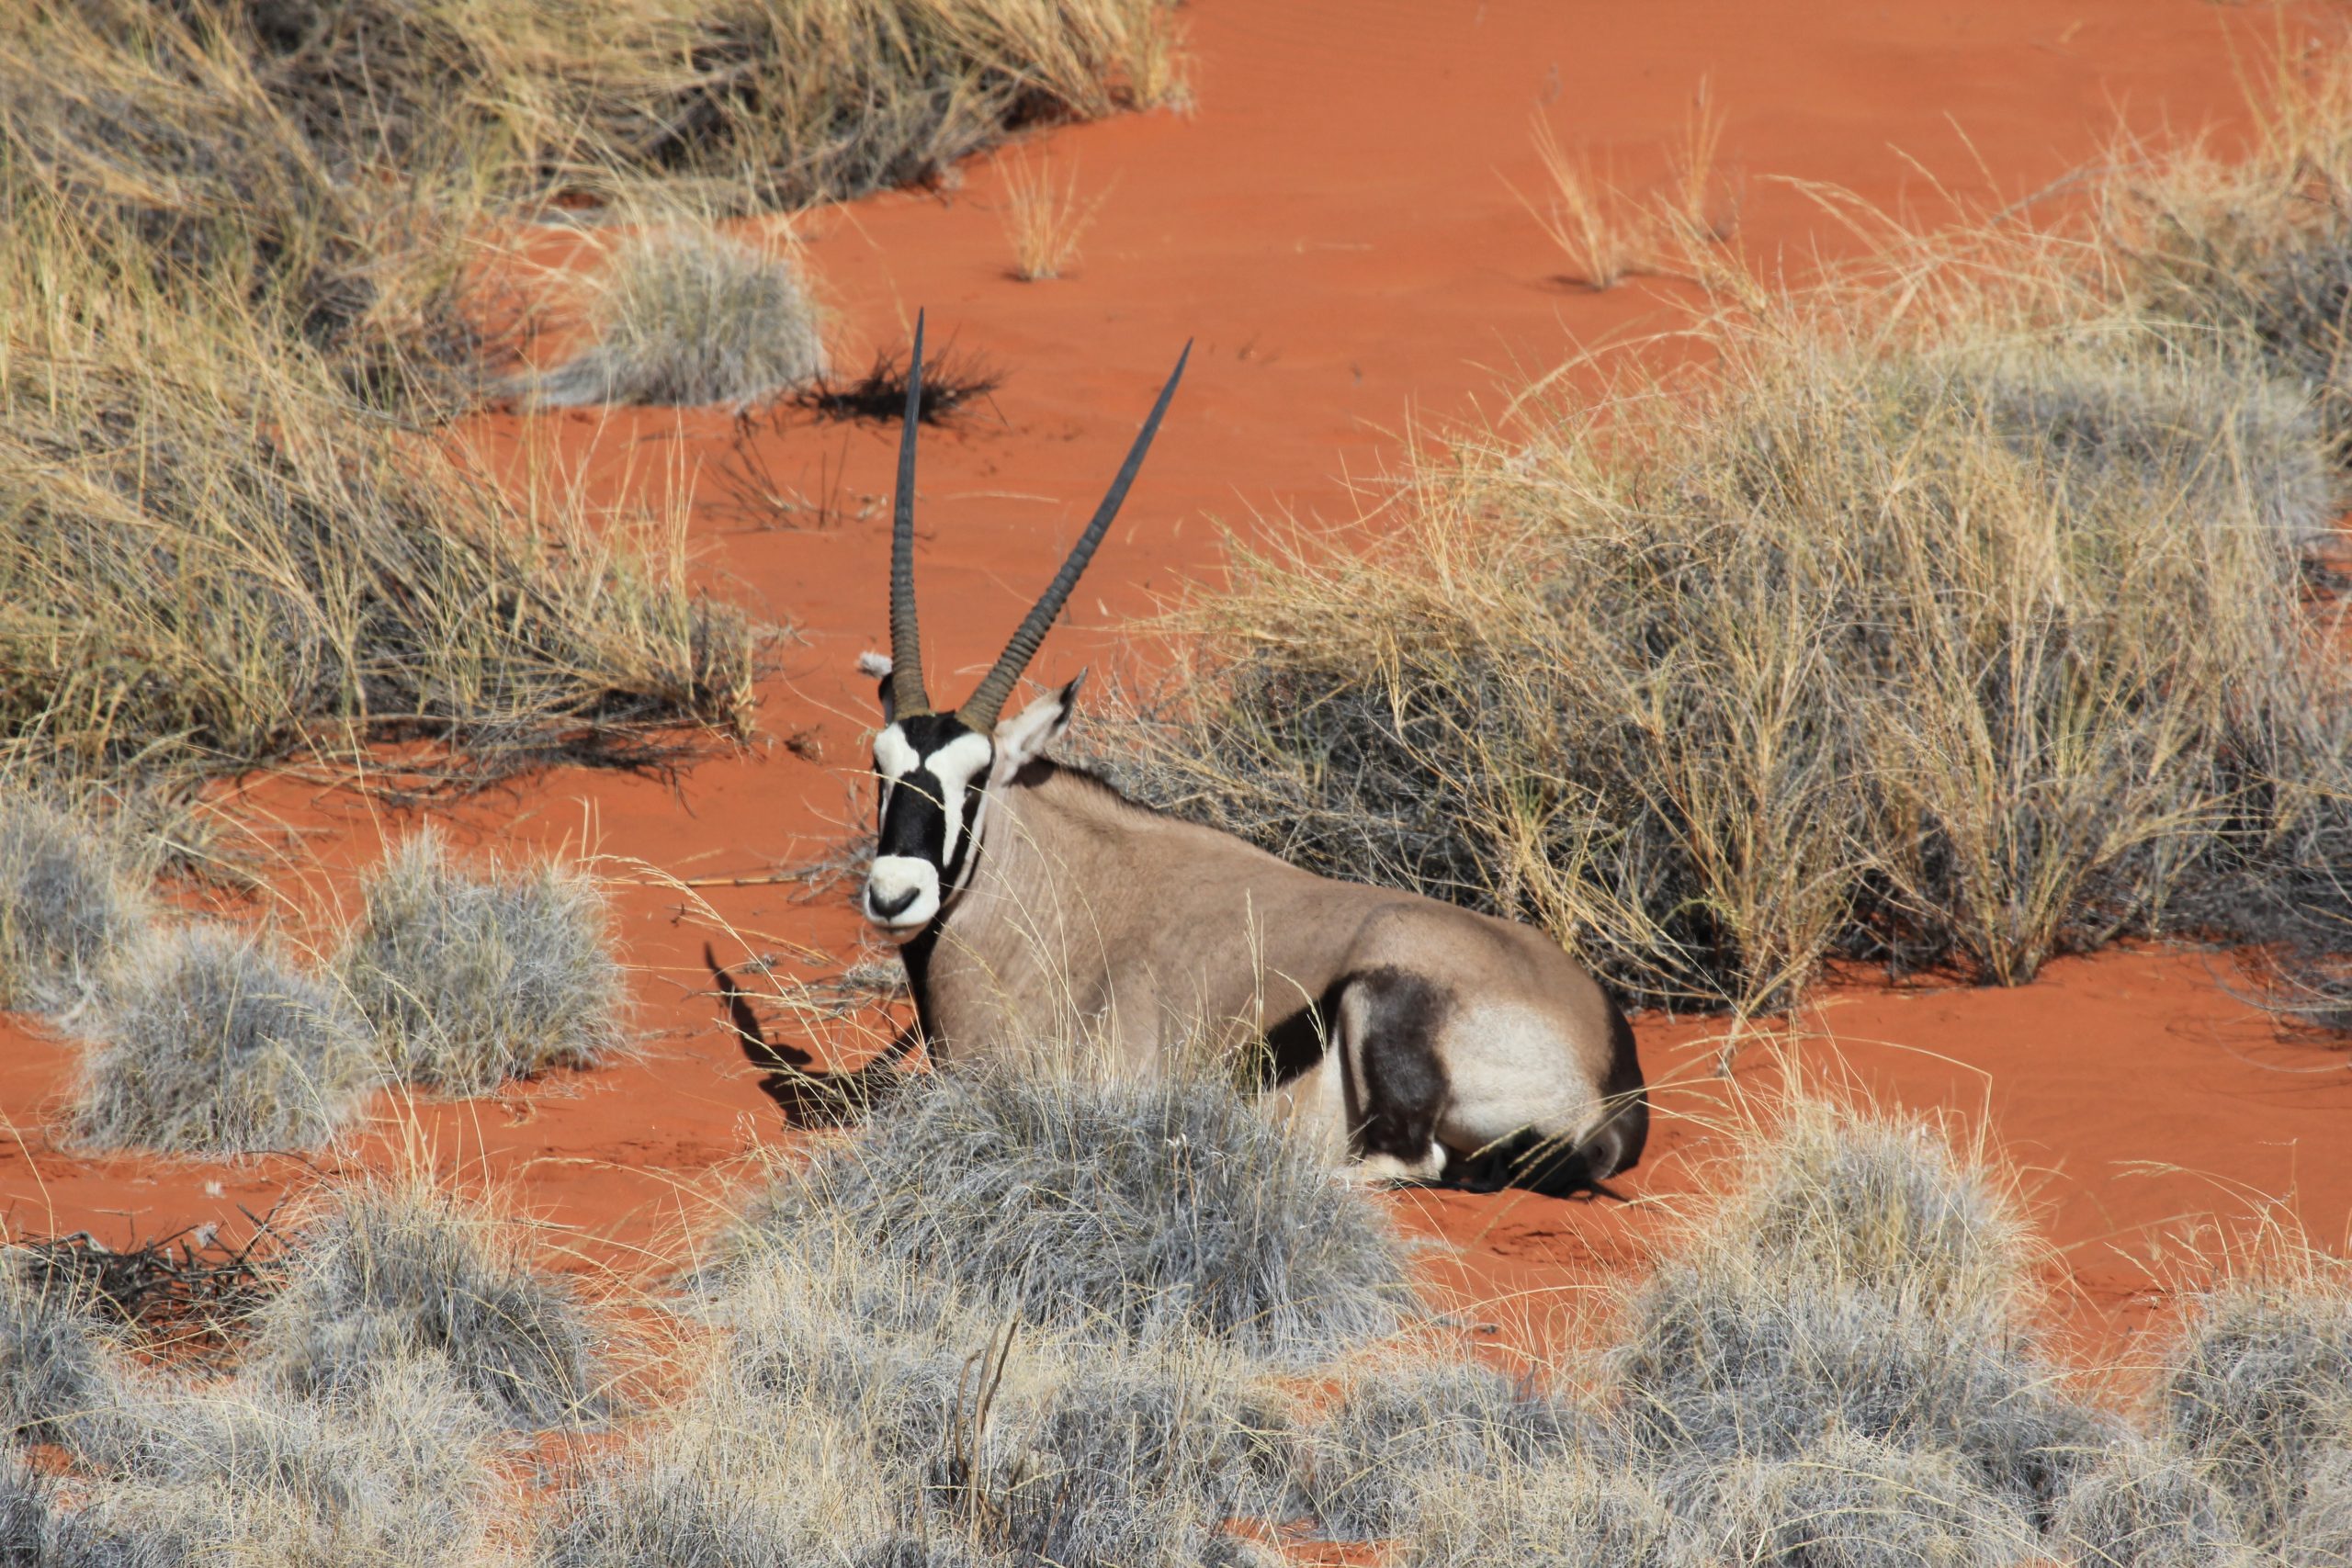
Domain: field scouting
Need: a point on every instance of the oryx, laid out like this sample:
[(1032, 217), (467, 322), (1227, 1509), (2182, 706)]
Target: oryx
[(1033, 902)]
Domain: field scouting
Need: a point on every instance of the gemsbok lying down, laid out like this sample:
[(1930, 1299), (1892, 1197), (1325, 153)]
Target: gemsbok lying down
[(1031, 901)]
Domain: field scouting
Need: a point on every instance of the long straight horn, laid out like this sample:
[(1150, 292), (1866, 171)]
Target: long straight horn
[(986, 703), (907, 695)]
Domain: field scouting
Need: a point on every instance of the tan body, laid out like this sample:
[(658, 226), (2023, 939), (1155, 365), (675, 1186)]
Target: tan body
[(1089, 918)]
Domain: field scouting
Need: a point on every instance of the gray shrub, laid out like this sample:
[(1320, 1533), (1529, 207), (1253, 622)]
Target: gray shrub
[(28, 1514), (209, 1043), (68, 904), (55, 1371), (1404, 1433), (1127, 1211), (1851, 1502), (1881, 1202), (691, 317), (1109, 1462), (398, 1473), (832, 1327), (474, 978), (1558, 1512), (1713, 1368), (2145, 1505), (398, 1273), (2319, 1532), (2259, 1391), (631, 1514), (1049, 1447)]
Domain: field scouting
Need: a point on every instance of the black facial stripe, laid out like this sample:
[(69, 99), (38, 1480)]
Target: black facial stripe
[(912, 819), (914, 823)]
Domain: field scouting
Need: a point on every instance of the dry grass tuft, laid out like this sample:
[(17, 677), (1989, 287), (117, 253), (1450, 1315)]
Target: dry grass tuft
[(54, 1366), (688, 317), (32, 1534), (1044, 218), (1848, 1501), (2254, 252), (398, 1473), (1875, 1202), (211, 560), (715, 1486), (753, 104), (143, 131), (399, 1274), (1715, 1367), (2260, 1395), (1022, 1446), (1863, 1280), (474, 978), (208, 1042), (822, 1324), (1603, 236), (70, 903), (2142, 1505), (1405, 1435), (1961, 654), (1106, 1464), (1551, 1515), (1119, 1209)]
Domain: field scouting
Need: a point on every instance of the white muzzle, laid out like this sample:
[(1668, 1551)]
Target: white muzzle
[(901, 895)]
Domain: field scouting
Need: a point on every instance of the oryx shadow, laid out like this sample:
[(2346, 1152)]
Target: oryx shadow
[(809, 1095)]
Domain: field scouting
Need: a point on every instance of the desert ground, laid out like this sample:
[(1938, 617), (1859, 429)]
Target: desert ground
[(1335, 217)]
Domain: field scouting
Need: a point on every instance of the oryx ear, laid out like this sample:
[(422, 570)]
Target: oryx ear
[(877, 667), (1023, 739)]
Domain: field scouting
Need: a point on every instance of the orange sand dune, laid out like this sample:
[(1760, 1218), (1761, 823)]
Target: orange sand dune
[(1336, 230)]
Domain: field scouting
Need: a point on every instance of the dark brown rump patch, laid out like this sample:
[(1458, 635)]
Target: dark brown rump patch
[(1396, 1085)]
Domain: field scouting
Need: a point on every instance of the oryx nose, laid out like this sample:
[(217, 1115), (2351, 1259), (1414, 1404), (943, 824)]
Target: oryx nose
[(885, 905)]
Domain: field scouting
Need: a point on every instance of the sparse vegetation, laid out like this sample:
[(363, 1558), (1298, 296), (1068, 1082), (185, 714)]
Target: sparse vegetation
[(208, 1042), (474, 977), (1044, 217), (950, 381), (401, 1274), (1603, 235), (1781, 1393), (689, 316)]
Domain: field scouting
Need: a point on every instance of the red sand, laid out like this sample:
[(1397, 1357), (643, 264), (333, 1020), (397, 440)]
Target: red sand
[(1336, 228)]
